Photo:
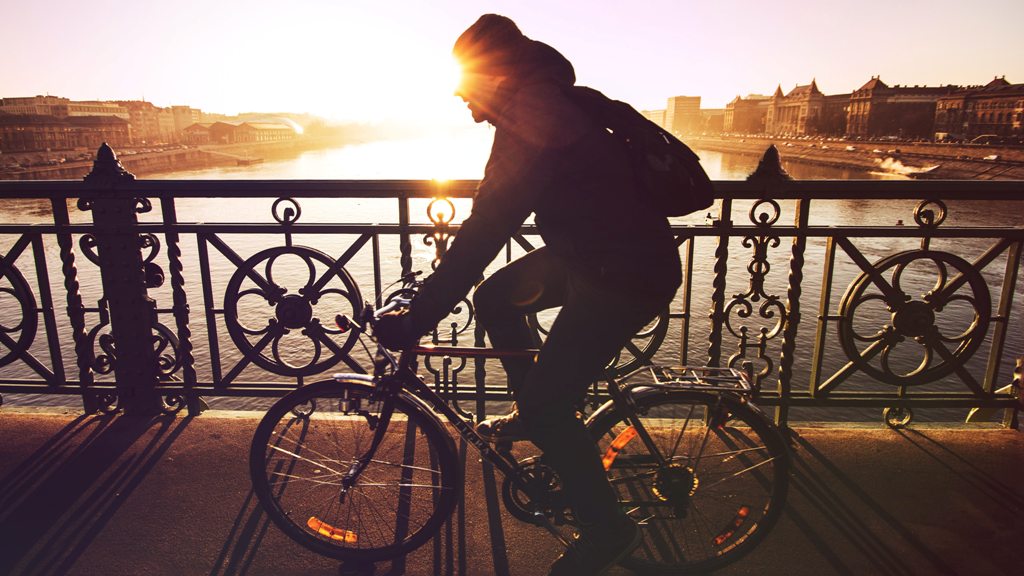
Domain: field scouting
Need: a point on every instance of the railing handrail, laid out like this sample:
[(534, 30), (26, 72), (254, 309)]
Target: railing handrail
[(733, 189)]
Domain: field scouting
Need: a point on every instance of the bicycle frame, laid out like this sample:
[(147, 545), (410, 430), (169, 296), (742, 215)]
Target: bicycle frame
[(411, 382), (404, 379), (716, 380)]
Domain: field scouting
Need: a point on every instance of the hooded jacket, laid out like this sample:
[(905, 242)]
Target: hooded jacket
[(549, 159)]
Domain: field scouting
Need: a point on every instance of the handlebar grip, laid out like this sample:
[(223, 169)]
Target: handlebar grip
[(343, 322), (393, 304)]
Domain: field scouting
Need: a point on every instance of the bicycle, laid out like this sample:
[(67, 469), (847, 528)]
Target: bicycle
[(362, 468)]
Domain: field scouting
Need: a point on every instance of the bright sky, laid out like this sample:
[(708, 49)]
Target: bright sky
[(390, 59)]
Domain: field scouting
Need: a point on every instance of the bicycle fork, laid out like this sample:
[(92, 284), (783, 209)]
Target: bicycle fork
[(382, 421)]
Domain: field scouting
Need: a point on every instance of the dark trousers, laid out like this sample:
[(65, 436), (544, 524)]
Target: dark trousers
[(592, 326)]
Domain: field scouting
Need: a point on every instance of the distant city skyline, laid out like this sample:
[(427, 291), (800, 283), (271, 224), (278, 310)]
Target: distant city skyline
[(385, 61)]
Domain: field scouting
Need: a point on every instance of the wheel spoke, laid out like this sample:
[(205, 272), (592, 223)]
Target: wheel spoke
[(305, 459), (739, 473), (718, 494), (402, 495)]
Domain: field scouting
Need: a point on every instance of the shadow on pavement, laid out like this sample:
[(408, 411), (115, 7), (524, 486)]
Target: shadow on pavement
[(61, 497), (820, 481)]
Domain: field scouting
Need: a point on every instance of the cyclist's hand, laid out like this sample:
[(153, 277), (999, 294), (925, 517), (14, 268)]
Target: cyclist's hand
[(394, 330)]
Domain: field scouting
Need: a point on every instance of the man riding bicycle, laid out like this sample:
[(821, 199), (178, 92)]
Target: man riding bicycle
[(609, 260)]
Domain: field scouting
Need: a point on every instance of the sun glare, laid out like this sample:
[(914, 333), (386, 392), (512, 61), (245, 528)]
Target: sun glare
[(403, 85), (450, 74)]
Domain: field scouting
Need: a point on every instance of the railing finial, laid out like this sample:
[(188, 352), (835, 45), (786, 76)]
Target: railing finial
[(770, 168), (107, 168)]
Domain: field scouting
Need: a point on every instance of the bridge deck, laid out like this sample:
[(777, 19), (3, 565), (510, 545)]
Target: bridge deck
[(96, 495)]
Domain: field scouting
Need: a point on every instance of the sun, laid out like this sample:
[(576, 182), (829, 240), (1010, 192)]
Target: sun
[(435, 78)]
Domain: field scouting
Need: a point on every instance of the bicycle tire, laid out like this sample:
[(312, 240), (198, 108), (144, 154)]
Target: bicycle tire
[(721, 490), (309, 439)]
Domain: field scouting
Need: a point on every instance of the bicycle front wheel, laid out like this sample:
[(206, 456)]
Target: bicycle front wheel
[(706, 483), (303, 454)]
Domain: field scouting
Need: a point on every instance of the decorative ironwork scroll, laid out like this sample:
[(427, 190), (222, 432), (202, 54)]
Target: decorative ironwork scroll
[(441, 212), (763, 214), (446, 376)]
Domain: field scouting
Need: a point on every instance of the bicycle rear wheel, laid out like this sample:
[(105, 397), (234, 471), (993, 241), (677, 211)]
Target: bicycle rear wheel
[(309, 440), (710, 490)]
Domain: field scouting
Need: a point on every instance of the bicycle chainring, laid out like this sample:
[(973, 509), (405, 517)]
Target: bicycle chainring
[(536, 489)]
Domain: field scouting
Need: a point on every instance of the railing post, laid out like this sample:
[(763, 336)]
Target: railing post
[(404, 243), (717, 314), (132, 312), (793, 294), (76, 308)]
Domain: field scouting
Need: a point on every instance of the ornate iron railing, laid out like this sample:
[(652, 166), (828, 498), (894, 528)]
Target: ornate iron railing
[(925, 321)]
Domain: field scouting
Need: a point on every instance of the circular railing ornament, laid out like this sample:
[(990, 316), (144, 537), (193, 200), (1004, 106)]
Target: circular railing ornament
[(765, 213), (107, 402), (930, 213), (20, 319), (291, 213), (897, 417), (172, 403), (280, 316), (916, 338)]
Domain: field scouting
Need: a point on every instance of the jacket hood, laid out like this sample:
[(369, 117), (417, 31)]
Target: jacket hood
[(536, 61)]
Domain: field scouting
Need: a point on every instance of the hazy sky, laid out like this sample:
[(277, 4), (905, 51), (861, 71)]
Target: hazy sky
[(371, 60)]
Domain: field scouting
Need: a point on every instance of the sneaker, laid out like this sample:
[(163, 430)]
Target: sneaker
[(507, 428), (597, 549)]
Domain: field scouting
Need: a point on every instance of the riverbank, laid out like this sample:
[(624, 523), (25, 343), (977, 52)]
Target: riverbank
[(912, 159), (172, 159)]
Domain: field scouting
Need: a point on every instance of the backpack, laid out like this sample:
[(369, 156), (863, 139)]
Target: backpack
[(669, 174)]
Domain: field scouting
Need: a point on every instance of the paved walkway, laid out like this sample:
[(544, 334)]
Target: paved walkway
[(109, 496)]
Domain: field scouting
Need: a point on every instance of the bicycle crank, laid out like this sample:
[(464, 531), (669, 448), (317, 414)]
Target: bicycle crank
[(534, 494)]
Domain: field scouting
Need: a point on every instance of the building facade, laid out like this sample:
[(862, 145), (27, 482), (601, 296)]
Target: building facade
[(712, 120), (877, 109), (246, 132), (185, 116), (36, 106), (97, 109), (144, 119), (806, 111), (682, 115), (994, 110), (197, 134), (746, 115), (656, 116), (44, 133)]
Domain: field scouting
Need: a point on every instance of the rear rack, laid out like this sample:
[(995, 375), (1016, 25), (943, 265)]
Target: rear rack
[(705, 378)]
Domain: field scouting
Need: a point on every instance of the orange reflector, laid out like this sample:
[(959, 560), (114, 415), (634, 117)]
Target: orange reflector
[(736, 522), (324, 529), (616, 446)]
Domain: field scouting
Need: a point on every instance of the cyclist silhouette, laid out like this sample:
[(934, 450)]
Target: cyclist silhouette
[(609, 260)]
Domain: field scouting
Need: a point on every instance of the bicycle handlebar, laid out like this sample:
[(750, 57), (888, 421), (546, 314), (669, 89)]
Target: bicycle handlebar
[(391, 306), (369, 316)]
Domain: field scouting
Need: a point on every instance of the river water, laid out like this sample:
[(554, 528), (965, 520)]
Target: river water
[(463, 155)]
